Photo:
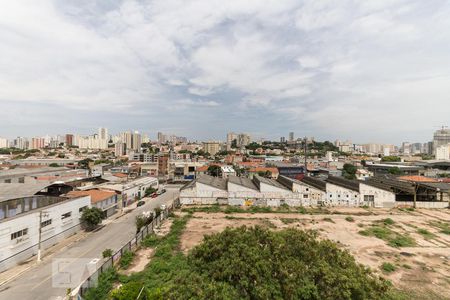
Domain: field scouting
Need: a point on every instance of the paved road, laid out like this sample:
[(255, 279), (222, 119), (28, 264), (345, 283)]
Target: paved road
[(38, 283)]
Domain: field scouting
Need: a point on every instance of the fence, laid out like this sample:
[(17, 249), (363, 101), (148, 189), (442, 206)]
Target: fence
[(132, 245)]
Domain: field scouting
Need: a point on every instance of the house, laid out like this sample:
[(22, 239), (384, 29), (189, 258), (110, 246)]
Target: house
[(374, 194), (104, 200)]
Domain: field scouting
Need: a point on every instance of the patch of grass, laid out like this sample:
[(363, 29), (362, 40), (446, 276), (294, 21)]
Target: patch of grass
[(392, 238), (360, 225), (288, 220), (126, 259), (349, 219), (233, 209), (388, 267), (107, 253), (215, 208), (388, 221), (328, 220), (105, 284), (406, 266), (268, 224), (443, 226), (425, 233)]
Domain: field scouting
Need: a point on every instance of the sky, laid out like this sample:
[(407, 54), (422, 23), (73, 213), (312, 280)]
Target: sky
[(368, 71)]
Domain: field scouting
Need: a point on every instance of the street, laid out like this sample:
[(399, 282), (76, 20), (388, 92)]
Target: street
[(38, 283)]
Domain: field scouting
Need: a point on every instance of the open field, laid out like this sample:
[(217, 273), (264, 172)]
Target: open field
[(410, 248)]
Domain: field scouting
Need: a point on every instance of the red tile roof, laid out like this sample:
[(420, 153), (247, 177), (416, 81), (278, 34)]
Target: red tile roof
[(96, 195)]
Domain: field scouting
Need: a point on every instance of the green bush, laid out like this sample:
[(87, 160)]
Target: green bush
[(91, 218), (328, 220), (350, 219), (443, 226), (388, 267), (107, 253), (257, 263), (105, 284), (388, 221), (126, 259), (128, 291)]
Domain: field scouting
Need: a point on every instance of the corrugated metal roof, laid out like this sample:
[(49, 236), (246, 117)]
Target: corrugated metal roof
[(10, 191), (243, 181)]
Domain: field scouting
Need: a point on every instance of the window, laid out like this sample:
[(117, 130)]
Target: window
[(19, 233), (369, 197), (66, 215), (7, 180), (82, 208), (307, 189), (46, 223), (22, 180), (305, 195)]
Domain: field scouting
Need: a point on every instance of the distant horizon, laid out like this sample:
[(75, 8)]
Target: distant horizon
[(153, 137)]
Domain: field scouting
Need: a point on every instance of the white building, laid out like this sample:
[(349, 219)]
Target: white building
[(443, 152), (374, 195), (342, 192), (4, 143), (227, 171), (19, 228)]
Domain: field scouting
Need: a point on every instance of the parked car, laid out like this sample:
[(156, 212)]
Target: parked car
[(154, 195), (140, 203)]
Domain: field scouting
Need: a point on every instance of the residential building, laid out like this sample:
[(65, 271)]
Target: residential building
[(120, 149), (211, 147), (4, 143), (291, 136), (441, 137), (37, 143), (69, 140), (443, 152), (104, 200)]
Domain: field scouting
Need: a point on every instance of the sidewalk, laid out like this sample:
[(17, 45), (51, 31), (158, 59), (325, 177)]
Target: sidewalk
[(28, 264), (21, 268)]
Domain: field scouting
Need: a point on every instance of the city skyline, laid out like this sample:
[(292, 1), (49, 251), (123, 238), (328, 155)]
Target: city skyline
[(366, 71)]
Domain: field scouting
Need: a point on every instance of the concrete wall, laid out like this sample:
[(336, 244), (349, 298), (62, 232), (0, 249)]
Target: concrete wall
[(340, 196), (14, 251), (382, 198), (423, 204)]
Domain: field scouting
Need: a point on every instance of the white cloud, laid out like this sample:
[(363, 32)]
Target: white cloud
[(317, 66)]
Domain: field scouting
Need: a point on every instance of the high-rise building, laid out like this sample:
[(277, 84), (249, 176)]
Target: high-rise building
[(282, 139), (441, 137), (443, 152), (4, 143), (21, 143), (291, 136), (211, 147), (69, 140), (37, 143), (133, 140), (231, 136), (243, 140), (120, 149), (161, 138)]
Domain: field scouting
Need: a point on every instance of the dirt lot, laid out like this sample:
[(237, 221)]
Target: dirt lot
[(424, 267)]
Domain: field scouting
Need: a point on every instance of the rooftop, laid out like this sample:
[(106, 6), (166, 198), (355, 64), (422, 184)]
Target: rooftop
[(243, 181), (96, 195)]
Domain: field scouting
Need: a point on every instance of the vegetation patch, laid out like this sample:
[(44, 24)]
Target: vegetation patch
[(392, 238), (388, 267), (328, 220), (349, 219), (443, 226), (126, 259), (288, 220), (425, 233)]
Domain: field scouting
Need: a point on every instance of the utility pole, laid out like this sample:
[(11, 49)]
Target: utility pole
[(41, 214), (306, 158)]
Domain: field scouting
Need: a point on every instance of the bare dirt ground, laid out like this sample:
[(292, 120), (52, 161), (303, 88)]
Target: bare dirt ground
[(422, 268), (144, 255)]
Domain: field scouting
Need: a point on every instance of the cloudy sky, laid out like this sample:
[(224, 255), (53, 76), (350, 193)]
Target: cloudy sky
[(370, 71)]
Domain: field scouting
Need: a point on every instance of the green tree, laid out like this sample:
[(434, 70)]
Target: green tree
[(91, 217), (391, 158), (214, 170), (84, 164), (256, 263), (53, 165), (349, 171), (395, 171)]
